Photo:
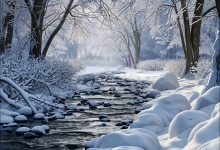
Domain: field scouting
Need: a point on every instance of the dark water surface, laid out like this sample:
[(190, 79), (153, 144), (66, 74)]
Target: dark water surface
[(77, 128)]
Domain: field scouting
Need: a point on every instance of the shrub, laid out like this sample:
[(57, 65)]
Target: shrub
[(174, 65)]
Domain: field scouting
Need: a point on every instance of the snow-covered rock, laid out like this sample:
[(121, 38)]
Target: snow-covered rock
[(186, 120), (167, 107), (203, 132), (92, 103), (167, 81), (212, 96), (129, 137), (149, 121), (147, 105), (26, 111), (22, 130), (73, 87), (6, 119), (71, 107), (46, 128), (154, 93), (38, 130), (59, 116), (8, 113), (39, 116), (20, 118), (10, 125)]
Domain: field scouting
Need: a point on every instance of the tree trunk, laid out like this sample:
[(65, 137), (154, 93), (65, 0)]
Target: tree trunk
[(196, 27), (37, 15), (189, 58), (57, 29), (10, 26)]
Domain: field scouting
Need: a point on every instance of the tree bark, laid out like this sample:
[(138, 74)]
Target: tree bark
[(37, 15), (196, 28), (189, 58)]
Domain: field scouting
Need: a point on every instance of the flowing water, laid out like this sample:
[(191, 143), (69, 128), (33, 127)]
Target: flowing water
[(77, 128)]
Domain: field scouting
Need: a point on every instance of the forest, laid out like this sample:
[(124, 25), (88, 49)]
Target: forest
[(109, 74)]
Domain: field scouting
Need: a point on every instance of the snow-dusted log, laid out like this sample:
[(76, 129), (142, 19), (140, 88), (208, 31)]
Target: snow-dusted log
[(24, 94), (8, 100)]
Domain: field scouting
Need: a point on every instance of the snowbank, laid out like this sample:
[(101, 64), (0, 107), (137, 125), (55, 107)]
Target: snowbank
[(203, 132), (212, 96), (167, 81), (167, 107), (129, 137), (185, 120), (149, 121)]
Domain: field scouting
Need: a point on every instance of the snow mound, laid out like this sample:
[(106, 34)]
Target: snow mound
[(211, 145), (216, 110), (184, 121), (6, 119), (203, 132), (212, 96), (26, 111), (167, 107), (8, 113), (130, 137), (167, 81), (149, 121)]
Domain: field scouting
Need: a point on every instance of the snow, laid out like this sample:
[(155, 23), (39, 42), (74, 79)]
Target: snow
[(167, 81), (200, 135), (39, 116), (119, 148), (186, 120), (20, 118), (8, 113), (5, 119), (38, 130), (27, 111), (212, 96), (149, 121), (167, 107), (22, 130), (129, 137)]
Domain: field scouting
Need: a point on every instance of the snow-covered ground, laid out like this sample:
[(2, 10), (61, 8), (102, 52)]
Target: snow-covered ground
[(181, 118)]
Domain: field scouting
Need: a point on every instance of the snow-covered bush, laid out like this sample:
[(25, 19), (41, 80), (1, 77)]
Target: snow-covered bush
[(174, 65), (204, 67), (27, 72), (151, 65)]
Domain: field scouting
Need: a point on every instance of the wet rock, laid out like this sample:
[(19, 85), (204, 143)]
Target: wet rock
[(112, 88), (107, 104), (29, 135), (124, 122), (92, 107), (137, 110), (118, 124), (103, 124), (46, 128), (9, 131), (84, 102), (124, 127), (71, 146)]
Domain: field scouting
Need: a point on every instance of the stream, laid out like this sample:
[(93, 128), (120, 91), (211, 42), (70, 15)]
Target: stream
[(79, 127)]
